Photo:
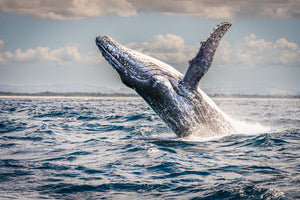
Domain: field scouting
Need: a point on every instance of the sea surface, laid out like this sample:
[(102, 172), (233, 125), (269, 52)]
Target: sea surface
[(118, 148)]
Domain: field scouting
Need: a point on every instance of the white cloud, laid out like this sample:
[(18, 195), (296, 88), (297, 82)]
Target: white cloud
[(259, 52), (68, 9), (171, 49), (223, 9), (220, 9), (250, 52), (168, 48), (66, 55)]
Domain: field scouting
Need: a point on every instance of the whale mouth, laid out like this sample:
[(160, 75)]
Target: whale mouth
[(107, 55), (109, 48)]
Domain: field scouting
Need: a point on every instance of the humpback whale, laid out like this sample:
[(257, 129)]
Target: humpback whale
[(175, 97)]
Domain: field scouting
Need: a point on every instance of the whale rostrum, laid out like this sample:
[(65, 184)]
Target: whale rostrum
[(175, 97)]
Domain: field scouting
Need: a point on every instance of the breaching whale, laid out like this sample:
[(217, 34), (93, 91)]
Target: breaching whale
[(175, 97)]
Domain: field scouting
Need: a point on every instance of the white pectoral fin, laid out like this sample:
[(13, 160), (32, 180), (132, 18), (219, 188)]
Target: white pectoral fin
[(199, 65)]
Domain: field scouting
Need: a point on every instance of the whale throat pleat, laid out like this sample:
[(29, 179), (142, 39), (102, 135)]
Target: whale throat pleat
[(199, 65)]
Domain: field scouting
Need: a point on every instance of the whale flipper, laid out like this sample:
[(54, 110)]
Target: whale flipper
[(201, 63)]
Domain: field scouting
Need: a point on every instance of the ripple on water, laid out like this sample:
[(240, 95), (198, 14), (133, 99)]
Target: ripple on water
[(248, 192), (78, 148)]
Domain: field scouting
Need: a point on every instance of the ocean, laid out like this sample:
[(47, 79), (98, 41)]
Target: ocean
[(118, 148)]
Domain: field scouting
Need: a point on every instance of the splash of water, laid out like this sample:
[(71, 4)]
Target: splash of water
[(203, 133), (247, 128), (239, 128)]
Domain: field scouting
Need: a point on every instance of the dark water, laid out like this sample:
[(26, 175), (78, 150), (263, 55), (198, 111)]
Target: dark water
[(77, 148)]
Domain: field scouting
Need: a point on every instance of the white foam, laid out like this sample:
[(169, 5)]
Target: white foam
[(247, 128), (240, 128), (196, 138)]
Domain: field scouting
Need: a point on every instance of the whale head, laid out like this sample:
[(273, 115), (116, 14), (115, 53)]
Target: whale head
[(138, 71)]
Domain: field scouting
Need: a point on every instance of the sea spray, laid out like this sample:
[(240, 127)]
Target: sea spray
[(239, 127)]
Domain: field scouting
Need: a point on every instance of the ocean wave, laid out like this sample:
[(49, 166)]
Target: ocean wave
[(119, 148)]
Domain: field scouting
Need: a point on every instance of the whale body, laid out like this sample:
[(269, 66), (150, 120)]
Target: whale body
[(175, 97)]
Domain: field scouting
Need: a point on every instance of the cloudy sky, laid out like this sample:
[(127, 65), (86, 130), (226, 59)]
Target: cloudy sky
[(50, 45)]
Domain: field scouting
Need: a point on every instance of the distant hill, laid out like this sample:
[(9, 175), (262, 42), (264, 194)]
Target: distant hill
[(268, 96), (91, 94), (67, 94)]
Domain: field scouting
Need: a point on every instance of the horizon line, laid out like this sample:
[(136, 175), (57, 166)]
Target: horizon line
[(120, 94)]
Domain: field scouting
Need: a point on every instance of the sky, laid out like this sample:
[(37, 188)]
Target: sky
[(50, 45)]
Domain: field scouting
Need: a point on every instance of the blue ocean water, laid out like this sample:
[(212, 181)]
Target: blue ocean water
[(118, 148)]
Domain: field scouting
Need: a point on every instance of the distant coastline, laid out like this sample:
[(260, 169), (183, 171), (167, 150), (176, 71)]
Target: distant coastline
[(66, 94), (95, 94)]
